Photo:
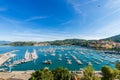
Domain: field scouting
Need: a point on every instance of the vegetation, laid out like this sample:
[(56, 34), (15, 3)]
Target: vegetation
[(95, 44), (107, 73), (88, 74), (57, 74), (110, 74), (44, 74), (114, 38), (62, 74), (21, 43), (117, 65), (115, 49), (79, 42)]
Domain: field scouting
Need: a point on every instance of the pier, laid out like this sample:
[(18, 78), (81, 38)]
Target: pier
[(4, 57)]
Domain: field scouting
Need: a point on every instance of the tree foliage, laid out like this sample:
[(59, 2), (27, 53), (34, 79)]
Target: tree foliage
[(79, 42), (62, 74), (117, 65), (21, 43), (89, 73), (57, 74), (109, 73), (44, 74)]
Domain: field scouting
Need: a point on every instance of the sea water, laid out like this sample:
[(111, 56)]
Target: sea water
[(83, 54)]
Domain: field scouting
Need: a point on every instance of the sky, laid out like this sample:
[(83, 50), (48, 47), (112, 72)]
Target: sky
[(48, 20)]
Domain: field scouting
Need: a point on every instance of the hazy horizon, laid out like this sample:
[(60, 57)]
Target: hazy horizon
[(49, 20)]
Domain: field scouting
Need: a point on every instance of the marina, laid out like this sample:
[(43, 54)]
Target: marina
[(38, 57)]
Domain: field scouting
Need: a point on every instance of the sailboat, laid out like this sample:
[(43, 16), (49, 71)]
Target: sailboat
[(30, 56), (34, 54), (27, 55)]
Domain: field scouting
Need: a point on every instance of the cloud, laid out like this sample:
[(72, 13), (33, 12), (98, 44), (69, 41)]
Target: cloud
[(109, 29), (112, 4), (35, 18), (108, 24), (38, 36), (67, 22), (9, 20), (49, 36), (42, 35), (6, 22), (76, 4)]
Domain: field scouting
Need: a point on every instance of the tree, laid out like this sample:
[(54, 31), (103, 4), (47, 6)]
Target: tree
[(116, 74), (62, 74), (44, 74), (89, 73), (117, 65), (109, 73)]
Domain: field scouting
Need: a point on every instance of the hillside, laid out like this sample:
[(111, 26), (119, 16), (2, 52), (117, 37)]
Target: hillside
[(112, 43), (4, 42), (114, 38), (80, 42)]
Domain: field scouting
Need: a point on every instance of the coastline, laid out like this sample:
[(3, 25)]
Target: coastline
[(25, 75)]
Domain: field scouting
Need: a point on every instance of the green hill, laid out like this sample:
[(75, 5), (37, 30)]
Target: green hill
[(113, 38)]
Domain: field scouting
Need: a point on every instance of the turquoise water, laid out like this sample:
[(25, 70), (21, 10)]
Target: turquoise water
[(88, 55)]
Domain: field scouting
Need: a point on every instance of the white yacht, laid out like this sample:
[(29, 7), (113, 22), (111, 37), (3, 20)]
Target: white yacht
[(47, 62), (52, 54), (69, 61), (59, 59), (78, 61)]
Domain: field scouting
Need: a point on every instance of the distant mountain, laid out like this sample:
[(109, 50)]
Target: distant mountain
[(113, 38), (80, 42), (77, 42), (5, 42)]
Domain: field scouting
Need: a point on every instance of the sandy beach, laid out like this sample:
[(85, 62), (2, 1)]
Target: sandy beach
[(23, 75)]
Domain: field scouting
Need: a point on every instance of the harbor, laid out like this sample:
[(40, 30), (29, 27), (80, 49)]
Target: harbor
[(71, 57)]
